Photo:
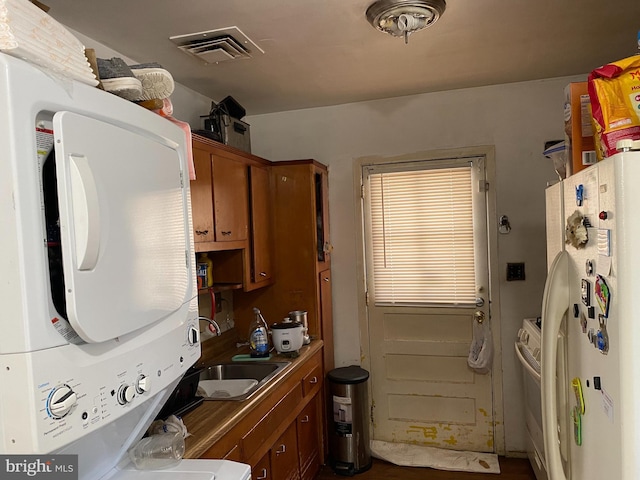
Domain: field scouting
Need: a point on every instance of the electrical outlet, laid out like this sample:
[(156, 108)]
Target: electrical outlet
[(515, 271), (218, 303)]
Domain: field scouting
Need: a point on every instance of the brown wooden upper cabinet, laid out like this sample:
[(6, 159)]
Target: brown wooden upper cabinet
[(202, 197), (219, 197), (261, 254), (230, 200), (232, 213), (302, 253)]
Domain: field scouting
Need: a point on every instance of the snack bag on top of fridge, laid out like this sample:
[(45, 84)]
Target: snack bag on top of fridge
[(614, 93)]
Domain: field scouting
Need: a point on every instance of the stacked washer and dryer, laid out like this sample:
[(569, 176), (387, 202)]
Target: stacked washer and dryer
[(99, 298)]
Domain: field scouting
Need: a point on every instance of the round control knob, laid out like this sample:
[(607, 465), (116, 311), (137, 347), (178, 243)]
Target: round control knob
[(523, 335), (126, 394), (61, 401), (143, 384), (603, 215), (193, 336)]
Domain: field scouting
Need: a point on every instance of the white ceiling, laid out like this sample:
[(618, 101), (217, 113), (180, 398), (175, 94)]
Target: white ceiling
[(324, 52)]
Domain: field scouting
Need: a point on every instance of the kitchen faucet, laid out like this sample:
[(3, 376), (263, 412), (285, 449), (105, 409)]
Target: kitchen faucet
[(213, 325)]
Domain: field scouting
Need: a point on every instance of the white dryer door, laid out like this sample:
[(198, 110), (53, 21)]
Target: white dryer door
[(124, 226)]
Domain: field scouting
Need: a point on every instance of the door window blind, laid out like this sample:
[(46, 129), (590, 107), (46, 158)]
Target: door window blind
[(422, 233)]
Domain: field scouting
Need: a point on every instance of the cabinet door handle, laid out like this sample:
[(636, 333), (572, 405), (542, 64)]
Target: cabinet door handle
[(313, 380), (263, 475), (281, 449), (305, 419), (263, 274), (326, 279), (202, 232), (228, 232)]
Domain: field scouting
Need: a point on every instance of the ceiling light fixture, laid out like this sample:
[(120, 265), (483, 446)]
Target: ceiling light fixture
[(401, 18)]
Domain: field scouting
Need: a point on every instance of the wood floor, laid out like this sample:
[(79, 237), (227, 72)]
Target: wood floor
[(510, 469)]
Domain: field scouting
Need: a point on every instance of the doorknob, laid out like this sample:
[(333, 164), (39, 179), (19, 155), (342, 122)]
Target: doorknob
[(479, 316)]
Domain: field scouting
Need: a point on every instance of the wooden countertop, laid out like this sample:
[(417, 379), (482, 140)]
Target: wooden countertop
[(213, 418)]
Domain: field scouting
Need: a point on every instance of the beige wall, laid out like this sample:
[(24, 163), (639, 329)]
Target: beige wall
[(516, 118)]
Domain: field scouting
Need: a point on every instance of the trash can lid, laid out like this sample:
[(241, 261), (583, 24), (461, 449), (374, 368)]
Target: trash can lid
[(348, 375)]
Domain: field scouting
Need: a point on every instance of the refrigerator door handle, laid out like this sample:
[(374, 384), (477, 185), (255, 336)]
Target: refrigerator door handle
[(555, 305)]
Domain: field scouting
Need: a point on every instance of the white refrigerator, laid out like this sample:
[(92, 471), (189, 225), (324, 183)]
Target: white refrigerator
[(591, 324)]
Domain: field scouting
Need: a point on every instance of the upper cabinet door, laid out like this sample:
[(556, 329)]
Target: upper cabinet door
[(124, 227), (230, 199), (202, 198), (261, 226), (321, 204)]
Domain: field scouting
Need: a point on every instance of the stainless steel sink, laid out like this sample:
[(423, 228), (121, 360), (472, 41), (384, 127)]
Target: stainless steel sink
[(237, 380)]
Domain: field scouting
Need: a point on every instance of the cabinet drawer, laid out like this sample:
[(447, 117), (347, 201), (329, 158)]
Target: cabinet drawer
[(262, 469), (312, 381), (272, 420)]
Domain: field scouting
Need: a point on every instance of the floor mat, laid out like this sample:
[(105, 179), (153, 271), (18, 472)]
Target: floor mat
[(417, 456)]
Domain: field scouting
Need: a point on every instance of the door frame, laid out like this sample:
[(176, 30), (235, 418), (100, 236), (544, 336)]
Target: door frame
[(488, 151)]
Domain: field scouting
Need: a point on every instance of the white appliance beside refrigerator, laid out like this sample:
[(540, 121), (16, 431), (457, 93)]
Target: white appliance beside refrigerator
[(528, 352), (99, 301), (591, 324)]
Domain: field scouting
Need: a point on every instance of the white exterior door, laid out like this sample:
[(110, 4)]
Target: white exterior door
[(427, 281)]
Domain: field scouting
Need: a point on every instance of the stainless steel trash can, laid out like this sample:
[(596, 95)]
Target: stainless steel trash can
[(349, 450)]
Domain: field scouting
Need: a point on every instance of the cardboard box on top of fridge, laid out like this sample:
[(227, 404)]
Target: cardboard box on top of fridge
[(578, 132), (614, 92)]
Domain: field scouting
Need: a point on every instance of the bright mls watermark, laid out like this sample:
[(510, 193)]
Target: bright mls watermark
[(49, 467)]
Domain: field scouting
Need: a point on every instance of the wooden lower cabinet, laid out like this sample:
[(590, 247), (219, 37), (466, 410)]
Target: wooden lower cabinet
[(284, 456), (262, 469), (226, 448), (309, 439), (234, 454), (282, 438)]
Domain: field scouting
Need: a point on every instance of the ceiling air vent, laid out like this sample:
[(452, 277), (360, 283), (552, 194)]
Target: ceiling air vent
[(220, 45)]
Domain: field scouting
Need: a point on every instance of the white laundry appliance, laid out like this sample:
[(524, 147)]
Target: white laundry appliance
[(98, 293), (590, 348), (528, 351)]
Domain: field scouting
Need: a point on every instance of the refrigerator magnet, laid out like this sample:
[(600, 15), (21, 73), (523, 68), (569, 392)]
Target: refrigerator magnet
[(576, 231), (583, 322), (576, 384), (589, 268), (585, 292), (577, 425), (579, 195), (604, 242), (603, 295), (602, 337)]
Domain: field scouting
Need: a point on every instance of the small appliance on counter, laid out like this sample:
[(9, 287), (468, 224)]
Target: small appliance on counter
[(300, 316), (288, 337)]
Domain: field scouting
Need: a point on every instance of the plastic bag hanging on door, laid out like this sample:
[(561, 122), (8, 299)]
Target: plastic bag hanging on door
[(481, 350)]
